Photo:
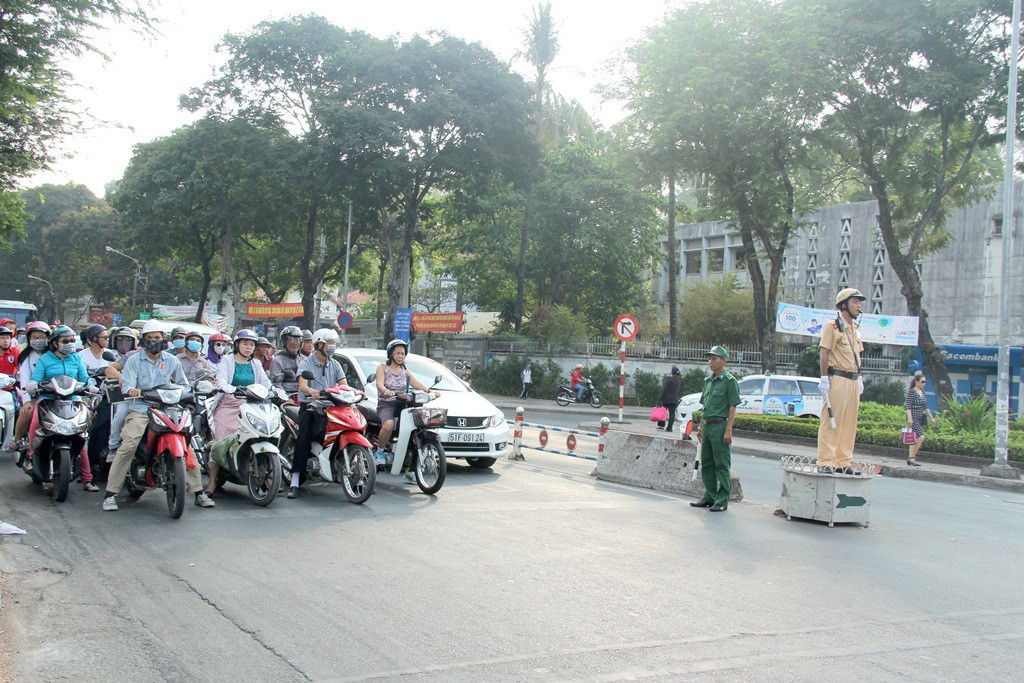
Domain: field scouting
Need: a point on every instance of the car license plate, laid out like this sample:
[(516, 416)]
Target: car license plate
[(465, 437)]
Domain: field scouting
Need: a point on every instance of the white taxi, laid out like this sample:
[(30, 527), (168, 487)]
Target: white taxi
[(475, 430), (786, 395)]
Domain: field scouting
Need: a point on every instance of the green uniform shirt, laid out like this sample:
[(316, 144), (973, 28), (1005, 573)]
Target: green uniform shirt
[(720, 393)]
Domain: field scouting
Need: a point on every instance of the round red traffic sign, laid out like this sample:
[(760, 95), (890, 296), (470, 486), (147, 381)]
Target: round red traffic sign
[(344, 320), (570, 442), (626, 327), (543, 438)]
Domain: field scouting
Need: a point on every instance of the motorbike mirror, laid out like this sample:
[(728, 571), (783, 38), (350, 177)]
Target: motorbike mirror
[(437, 380), (308, 375), (288, 375), (109, 356)]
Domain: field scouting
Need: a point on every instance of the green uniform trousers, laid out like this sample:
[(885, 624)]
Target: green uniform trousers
[(715, 464)]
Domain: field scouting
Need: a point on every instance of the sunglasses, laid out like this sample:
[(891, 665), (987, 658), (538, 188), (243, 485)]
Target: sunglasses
[(102, 338)]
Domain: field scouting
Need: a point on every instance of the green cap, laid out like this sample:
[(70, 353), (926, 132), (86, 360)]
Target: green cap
[(719, 351)]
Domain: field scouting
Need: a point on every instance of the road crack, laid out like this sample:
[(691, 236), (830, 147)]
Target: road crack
[(249, 632)]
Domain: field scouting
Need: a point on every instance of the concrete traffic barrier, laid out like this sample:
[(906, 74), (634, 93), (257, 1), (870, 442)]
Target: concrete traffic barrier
[(654, 463)]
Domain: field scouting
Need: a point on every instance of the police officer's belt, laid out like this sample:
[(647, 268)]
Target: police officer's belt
[(713, 421), (843, 373)]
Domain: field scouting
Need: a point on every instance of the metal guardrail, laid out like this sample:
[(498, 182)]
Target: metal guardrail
[(518, 445)]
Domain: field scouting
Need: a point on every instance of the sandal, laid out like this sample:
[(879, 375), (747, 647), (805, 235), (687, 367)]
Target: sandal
[(90, 487)]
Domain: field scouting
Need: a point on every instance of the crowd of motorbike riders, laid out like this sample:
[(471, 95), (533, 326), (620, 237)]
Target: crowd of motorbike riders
[(127, 365)]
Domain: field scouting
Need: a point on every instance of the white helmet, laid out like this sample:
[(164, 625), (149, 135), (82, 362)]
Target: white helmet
[(326, 336), (153, 326)]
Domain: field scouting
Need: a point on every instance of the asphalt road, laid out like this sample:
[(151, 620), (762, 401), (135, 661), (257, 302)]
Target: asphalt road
[(532, 571)]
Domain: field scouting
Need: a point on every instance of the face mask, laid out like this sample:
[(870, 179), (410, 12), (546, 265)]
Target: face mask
[(194, 346), (178, 343), (331, 349), (67, 349), (38, 345), (155, 346), (124, 345), (219, 349), (21, 339)]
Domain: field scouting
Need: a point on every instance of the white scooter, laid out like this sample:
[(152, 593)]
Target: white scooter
[(6, 410), (253, 459)]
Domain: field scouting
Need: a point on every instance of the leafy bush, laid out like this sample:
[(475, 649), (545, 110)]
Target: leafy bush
[(808, 363), (606, 381), (559, 325), (503, 377), (974, 415), (692, 382), (717, 312), (890, 392), (647, 386)]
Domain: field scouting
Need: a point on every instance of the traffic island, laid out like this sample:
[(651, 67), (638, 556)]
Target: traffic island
[(656, 463), (835, 498)]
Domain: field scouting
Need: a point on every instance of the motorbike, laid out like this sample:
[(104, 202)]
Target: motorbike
[(6, 409), (164, 452), (64, 418), (566, 395), (343, 454), (414, 445), (202, 419), (253, 459)]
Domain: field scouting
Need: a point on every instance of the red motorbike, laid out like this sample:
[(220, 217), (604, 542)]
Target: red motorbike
[(164, 453), (342, 453)]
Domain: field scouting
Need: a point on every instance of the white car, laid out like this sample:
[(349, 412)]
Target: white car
[(788, 395), (475, 429)]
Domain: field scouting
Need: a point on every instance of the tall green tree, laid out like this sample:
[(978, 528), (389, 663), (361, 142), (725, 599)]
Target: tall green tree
[(734, 91), (36, 36), (919, 91)]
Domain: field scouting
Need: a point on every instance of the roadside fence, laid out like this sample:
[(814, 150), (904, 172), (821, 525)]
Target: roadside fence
[(544, 438)]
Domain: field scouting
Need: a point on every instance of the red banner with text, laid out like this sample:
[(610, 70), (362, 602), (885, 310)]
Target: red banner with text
[(253, 310), (437, 322)]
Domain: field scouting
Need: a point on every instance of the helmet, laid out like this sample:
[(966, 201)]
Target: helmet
[(193, 333), (468, 365), (59, 331), (263, 341), (847, 294), (123, 332), (218, 337), (243, 335), (90, 333), (6, 330), (394, 343), (179, 331), (291, 331), (153, 326), (325, 336), (307, 335), (579, 366), (37, 326)]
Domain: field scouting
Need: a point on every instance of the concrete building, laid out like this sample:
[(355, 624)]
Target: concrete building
[(842, 247)]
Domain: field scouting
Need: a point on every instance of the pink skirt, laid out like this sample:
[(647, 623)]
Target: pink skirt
[(225, 418)]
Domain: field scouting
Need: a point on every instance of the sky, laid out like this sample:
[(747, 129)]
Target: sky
[(132, 97)]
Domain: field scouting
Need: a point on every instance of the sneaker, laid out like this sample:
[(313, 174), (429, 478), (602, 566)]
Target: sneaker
[(293, 492), (380, 456), (203, 500), (110, 504), (90, 487)]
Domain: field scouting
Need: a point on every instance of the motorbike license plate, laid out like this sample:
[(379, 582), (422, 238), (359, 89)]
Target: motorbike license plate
[(465, 437)]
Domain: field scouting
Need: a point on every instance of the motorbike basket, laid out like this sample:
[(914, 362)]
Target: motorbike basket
[(429, 417)]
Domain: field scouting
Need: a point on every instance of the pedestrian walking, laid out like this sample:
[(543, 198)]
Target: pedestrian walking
[(917, 409), (670, 398), (720, 398), (841, 383), (527, 376)]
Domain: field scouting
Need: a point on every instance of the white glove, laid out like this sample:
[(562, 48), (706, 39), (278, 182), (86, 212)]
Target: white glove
[(823, 385), (860, 383)]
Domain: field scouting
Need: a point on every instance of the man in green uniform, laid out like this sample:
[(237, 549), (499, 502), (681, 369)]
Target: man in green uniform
[(719, 400)]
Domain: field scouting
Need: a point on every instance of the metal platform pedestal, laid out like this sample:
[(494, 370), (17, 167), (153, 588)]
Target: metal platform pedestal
[(832, 498)]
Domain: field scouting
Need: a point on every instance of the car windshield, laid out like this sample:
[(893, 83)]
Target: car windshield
[(423, 369), (751, 387)]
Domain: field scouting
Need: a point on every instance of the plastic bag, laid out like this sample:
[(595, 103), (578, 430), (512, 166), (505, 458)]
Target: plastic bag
[(659, 414)]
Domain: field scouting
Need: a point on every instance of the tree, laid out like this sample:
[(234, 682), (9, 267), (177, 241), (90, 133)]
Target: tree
[(733, 90), (918, 91), (717, 313), (35, 36)]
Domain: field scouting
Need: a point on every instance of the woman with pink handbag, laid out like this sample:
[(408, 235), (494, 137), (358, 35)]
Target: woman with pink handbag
[(917, 409), (669, 401)]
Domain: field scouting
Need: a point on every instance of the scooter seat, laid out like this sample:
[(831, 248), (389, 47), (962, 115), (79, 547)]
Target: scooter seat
[(291, 410)]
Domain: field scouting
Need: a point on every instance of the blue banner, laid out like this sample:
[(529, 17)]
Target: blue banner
[(900, 330), (403, 324)]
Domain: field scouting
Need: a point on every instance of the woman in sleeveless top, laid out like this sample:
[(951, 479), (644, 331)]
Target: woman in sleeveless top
[(917, 409), (392, 379)]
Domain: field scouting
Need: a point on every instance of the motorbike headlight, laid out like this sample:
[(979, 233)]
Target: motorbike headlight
[(496, 420), (258, 423), (65, 427), (429, 417)]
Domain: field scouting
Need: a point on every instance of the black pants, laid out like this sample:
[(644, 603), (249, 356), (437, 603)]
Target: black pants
[(671, 407), (309, 428), (99, 435), (526, 390)]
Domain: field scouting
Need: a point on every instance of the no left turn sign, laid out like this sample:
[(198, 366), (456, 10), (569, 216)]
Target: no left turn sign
[(626, 328)]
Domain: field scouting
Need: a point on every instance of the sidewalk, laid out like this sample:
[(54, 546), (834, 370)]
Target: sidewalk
[(636, 420)]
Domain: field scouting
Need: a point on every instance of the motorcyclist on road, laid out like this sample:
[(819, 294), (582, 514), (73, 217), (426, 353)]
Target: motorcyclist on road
[(264, 353), (238, 370), (125, 343), (9, 366), (579, 381), (96, 339), (195, 365), (287, 359), (307, 344), (28, 358), (393, 378), (178, 336), (151, 368), (218, 347), (61, 359), (327, 373)]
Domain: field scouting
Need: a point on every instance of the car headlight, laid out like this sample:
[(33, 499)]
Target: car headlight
[(496, 420)]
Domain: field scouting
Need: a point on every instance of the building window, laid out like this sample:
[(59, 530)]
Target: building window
[(693, 263), (716, 260), (997, 225)]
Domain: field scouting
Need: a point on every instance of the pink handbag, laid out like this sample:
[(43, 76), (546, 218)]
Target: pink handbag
[(659, 414), (909, 437)]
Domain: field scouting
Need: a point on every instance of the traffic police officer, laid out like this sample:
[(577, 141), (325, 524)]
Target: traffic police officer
[(841, 381), (719, 400)]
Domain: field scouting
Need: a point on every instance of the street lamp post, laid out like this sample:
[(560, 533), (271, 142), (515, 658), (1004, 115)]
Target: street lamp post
[(53, 297), (138, 273)]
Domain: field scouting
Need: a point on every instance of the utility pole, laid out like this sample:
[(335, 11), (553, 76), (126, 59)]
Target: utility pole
[(348, 253), (1000, 466), (320, 286)]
